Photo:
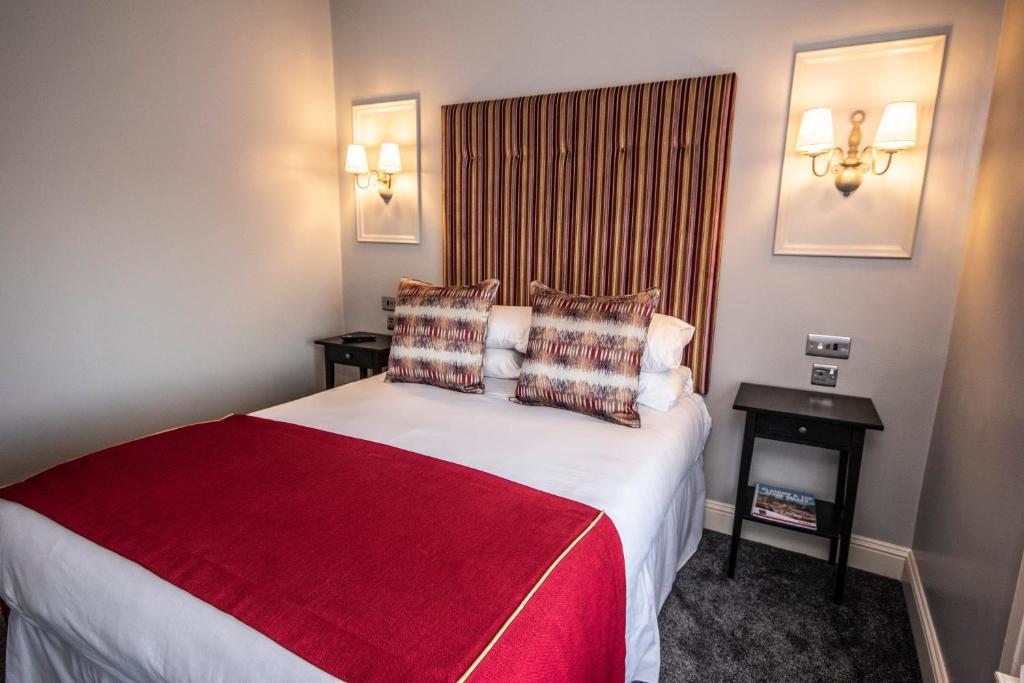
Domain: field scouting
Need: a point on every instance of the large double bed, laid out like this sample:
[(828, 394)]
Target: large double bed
[(88, 569), (79, 612)]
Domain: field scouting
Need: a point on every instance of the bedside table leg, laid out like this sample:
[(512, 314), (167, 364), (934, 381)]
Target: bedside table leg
[(362, 373), (329, 373), (849, 505), (737, 516), (844, 459)]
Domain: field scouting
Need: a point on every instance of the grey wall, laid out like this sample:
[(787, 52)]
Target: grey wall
[(899, 312), (168, 216), (970, 527)]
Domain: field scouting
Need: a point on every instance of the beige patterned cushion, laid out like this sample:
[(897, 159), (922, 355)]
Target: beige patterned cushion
[(440, 333), (584, 352)]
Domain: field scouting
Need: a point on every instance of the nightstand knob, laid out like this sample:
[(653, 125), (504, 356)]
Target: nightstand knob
[(802, 430), (349, 355)]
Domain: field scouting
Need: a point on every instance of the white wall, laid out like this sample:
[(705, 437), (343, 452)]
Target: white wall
[(970, 530), (898, 312), (168, 216)]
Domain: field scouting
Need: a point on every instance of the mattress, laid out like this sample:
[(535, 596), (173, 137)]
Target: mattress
[(81, 612)]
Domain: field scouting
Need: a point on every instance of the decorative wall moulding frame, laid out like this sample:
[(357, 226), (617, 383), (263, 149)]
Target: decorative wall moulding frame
[(880, 219), (392, 119)]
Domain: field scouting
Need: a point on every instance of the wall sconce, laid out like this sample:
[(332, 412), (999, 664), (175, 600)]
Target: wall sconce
[(896, 131), (389, 162)]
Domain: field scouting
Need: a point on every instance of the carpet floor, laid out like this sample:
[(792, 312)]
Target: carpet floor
[(774, 622)]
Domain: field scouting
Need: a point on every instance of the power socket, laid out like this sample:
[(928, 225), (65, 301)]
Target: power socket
[(391, 323), (824, 375)]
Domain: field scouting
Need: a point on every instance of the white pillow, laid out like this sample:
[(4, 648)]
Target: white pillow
[(502, 363), (509, 327), (661, 390), (666, 339)]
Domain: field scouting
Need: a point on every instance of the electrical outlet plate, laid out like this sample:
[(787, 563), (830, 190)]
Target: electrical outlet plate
[(391, 323), (828, 345), (387, 303), (824, 375)]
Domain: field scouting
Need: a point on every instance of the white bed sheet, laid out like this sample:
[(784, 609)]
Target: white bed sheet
[(77, 605)]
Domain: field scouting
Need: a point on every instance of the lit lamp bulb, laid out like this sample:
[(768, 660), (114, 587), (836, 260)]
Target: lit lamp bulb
[(355, 160), (816, 133), (389, 162), (897, 130)]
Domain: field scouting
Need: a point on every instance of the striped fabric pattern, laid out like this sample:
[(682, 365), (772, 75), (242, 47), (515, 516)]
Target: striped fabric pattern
[(600, 192), (584, 353), (440, 334)]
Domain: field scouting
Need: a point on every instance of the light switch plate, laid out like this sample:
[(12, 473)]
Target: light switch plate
[(824, 375), (387, 303), (827, 345)]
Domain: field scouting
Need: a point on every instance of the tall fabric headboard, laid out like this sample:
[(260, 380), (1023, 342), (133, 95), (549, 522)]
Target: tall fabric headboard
[(601, 192)]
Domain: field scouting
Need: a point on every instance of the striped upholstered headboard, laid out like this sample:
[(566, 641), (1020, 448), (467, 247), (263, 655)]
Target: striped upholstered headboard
[(605, 191)]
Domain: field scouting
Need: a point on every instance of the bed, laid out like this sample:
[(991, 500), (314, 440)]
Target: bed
[(526, 196), (80, 612)]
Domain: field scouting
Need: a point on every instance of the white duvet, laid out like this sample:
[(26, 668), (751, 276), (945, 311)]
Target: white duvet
[(83, 613)]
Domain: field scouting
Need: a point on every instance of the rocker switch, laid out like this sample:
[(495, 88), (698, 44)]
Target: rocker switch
[(824, 375)]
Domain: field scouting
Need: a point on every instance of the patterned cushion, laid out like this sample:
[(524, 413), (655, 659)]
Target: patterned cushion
[(440, 333), (584, 352)]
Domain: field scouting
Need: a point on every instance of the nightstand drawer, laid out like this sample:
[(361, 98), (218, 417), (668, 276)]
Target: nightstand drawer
[(349, 356), (369, 355), (803, 431)]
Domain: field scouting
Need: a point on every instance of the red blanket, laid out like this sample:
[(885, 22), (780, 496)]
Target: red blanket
[(370, 562)]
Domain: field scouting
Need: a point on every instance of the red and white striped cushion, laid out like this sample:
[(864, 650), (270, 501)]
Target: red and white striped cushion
[(440, 334), (584, 352)]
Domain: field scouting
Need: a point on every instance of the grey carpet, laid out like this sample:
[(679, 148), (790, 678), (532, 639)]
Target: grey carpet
[(774, 622)]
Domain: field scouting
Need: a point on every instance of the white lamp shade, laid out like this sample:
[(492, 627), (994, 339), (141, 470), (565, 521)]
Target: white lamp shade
[(390, 161), (355, 160), (816, 133), (898, 128)]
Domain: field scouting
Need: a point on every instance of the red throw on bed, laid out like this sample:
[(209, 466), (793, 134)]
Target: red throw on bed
[(370, 562)]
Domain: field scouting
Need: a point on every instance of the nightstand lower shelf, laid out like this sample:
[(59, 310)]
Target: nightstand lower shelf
[(829, 516)]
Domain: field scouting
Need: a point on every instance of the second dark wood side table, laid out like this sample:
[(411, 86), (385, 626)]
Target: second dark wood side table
[(814, 419), (368, 356)]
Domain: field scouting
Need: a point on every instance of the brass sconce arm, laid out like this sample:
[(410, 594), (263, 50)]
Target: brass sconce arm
[(360, 185), (874, 159), (383, 180), (897, 131), (832, 161), (389, 164)]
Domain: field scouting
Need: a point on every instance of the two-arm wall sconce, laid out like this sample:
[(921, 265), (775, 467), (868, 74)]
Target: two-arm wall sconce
[(388, 164), (897, 131)]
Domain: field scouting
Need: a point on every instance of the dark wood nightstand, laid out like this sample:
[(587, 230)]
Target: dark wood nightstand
[(368, 356), (814, 419)]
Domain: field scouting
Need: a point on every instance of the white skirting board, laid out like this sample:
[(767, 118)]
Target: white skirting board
[(929, 653), (869, 554)]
